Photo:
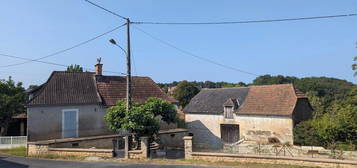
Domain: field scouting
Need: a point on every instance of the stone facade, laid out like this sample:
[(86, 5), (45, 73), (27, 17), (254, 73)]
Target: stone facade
[(188, 147), (206, 128)]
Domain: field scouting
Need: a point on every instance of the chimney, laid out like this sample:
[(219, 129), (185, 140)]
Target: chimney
[(98, 67)]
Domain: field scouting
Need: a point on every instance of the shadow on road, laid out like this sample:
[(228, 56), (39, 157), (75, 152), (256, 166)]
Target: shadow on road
[(8, 164)]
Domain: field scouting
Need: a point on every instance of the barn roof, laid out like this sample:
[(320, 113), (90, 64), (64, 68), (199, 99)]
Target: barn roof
[(212, 100), (255, 100)]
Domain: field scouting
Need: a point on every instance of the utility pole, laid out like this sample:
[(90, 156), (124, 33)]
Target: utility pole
[(128, 64)]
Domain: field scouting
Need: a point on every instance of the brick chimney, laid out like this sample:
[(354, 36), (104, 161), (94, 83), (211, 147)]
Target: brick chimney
[(98, 67)]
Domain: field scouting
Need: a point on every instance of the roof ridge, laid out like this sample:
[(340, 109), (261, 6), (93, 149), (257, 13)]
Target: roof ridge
[(225, 88), (272, 85)]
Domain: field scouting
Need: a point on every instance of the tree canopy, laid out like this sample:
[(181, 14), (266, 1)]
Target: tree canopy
[(74, 68), (12, 99), (142, 119), (184, 92)]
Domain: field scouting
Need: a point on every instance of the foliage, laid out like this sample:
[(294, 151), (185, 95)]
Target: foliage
[(74, 68), (354, 66), (140, 119), (269, 80), (305, 134), (12, 98), (184, 92)]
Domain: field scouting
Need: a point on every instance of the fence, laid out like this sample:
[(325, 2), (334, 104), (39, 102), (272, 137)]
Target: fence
[(12, 141)]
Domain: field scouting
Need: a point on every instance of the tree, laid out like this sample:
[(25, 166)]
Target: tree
[(74, 68), (184, 92), (142, 119), (12, 98), (354, 66), (305, 134), (269, 80)]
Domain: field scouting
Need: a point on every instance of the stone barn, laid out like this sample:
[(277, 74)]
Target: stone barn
[(262, 114)]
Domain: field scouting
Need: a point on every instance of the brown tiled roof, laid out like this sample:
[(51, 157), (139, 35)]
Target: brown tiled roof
[(67, 88), (256, 100), (85, 88), (113, 88), (270, 100)]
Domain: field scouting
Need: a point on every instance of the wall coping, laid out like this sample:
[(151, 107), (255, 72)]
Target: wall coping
[(170, 131), (65, 140), (81, 150), (275, 157), (136, 151), (187, 138)]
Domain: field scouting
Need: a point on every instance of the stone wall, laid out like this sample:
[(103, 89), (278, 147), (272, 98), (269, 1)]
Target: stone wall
[(207, 132), (170, 139), (313, 162), (214, 157), (81, 152)]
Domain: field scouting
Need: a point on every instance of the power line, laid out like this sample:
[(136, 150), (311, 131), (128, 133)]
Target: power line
[(249, 21), (113, 13), (194, 55), (52, 63), (67, 49)]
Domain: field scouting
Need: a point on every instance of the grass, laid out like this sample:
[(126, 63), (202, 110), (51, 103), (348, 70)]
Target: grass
[(19, 151), (210, 163)]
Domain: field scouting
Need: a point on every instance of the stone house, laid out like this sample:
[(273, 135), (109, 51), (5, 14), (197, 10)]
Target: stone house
[(73, 104), (262, 114)]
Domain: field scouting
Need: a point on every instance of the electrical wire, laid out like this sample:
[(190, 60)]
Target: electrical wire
[(66, 49), (52, 63), (194, 55), (247, 21), (113, 13)]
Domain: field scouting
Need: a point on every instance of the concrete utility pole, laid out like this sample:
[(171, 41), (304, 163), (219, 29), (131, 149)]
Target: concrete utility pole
[(128, 64)]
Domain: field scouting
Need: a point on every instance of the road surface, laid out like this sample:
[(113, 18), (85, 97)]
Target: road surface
[(22, 162)]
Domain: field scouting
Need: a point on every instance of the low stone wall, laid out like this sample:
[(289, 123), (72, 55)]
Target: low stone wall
[(100, 142), (273, 160), (44, 149), (81, 152), (101, 146), (210, 156)]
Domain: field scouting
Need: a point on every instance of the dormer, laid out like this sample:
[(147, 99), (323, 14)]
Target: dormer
[(229, 107)]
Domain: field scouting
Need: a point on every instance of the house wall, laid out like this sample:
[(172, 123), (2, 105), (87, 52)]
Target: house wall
[(46, 122), (207, 132)]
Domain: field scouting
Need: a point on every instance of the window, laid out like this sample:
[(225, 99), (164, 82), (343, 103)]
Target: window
[(228, 112)]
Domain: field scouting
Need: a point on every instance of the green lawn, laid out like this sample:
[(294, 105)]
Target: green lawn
[(19, 151)]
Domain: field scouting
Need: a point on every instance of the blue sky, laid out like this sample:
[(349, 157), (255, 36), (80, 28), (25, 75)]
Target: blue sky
[(323, 47)]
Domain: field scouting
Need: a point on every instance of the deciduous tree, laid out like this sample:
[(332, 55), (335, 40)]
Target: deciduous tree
[(12, 99), (74, 68), (140, 119)]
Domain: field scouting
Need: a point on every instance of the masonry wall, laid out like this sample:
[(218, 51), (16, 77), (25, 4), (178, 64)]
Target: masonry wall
[(46, 122), (207, 131)]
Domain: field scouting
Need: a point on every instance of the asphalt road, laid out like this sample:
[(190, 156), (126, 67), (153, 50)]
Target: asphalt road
[(21, 162)]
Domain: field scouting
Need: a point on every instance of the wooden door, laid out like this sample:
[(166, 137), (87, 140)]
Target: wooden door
[(229, 133)]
